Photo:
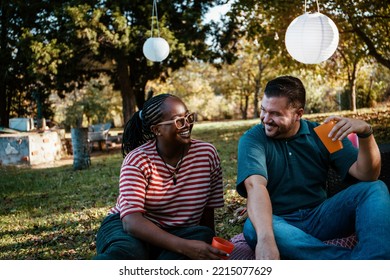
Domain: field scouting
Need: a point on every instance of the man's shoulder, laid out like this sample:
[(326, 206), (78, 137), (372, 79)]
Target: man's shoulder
[(310, 124), (254, 132)]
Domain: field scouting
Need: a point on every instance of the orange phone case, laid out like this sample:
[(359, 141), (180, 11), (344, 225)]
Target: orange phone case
[(322, 132)]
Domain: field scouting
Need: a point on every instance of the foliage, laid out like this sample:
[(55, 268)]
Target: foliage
[(62, 44), (194, 85), (95, 103), (116, 30), (56, 47), (54, 213), (363, 27), (367, 20), (16, 78)]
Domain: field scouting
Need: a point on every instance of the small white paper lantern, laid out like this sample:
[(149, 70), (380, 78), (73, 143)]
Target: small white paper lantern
[(156, 49), (312, 38)]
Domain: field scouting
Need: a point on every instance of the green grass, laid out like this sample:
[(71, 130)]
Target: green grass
[(54, 213)]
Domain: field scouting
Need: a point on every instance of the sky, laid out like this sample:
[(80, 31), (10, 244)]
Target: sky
[(216, 12)]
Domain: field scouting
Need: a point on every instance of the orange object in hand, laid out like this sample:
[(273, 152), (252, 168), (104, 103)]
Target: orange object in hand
[(323, 131), (223, 245)]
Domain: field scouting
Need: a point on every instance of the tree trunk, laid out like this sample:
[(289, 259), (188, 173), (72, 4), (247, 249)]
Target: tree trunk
[(4, 113), (256, 113), (353, 87), (246, 106), (127, 92), (244, 100), (81, 157), (4, 116), (140, 94)]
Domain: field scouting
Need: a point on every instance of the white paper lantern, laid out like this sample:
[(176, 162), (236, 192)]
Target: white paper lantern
[(156, 49), (312, 38)]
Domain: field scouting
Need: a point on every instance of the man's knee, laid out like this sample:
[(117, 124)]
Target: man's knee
[(375, 188)]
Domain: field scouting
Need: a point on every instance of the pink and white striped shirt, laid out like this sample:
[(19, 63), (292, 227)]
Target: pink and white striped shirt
[(146, 185)]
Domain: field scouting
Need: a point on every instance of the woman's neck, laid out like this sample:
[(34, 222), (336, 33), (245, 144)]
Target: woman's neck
[(171, 154)]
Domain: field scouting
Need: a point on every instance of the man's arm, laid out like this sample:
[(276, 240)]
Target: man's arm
[(260, 214), (368, 164)]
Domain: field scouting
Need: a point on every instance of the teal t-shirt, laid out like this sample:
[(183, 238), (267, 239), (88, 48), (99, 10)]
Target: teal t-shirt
[(295, 168)]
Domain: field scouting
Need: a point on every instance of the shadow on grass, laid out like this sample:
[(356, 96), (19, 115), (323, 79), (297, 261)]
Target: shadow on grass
[(49, 245), (68, 237)]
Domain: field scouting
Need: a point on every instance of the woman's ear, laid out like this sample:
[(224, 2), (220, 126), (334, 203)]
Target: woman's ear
[(155, 130)]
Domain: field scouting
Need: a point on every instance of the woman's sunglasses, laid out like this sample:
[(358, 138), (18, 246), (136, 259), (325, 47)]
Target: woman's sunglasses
[(181, 122)]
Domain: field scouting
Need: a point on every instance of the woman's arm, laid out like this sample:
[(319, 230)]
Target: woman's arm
[(140, 227), (207, 218)]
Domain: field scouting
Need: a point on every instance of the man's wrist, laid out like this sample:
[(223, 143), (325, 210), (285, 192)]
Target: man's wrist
[(365, 135)]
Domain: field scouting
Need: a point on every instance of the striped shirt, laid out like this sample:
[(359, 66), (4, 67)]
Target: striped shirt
[(146, 185)]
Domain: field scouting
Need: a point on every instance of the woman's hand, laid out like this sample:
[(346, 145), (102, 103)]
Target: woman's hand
[(199, 250)]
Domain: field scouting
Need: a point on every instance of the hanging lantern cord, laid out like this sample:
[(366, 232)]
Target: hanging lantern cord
[(318, 6), (154, 11)]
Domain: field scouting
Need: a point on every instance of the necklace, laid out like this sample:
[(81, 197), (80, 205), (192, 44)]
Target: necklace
[(177, 167)]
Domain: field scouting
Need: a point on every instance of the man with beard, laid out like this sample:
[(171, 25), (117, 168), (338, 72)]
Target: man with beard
[(282, 170)]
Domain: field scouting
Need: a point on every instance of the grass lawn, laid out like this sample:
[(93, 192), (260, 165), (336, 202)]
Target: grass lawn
[(54, 213)]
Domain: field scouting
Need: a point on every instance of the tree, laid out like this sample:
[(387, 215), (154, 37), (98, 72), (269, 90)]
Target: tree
[(363, 26), (84, 38), (116, 31), (249, 41), (195, 85), (31, 54), (15, 18), (368, 20), (351, 58)]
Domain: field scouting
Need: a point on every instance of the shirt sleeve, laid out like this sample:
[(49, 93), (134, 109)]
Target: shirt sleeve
[(251, 158), (343, 159), (132, 189), (216, 199)]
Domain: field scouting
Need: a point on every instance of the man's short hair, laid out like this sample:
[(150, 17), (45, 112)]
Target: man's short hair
[(287, 86)]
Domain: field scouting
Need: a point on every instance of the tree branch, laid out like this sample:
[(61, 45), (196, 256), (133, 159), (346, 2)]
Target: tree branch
[(371, 48)]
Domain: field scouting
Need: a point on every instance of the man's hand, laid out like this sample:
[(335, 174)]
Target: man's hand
[(368, 164), (267, 250), (345, 126)]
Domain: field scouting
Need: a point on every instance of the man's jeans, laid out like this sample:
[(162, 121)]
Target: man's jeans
[(113, 243), (363, 208)]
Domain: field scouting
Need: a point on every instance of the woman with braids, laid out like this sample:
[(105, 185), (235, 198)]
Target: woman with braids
[(169, 186)]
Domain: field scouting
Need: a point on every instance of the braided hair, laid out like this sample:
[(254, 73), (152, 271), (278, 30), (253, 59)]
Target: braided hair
[(137, 129)]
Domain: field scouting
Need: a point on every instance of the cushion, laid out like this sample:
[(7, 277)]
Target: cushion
[(242, 251)]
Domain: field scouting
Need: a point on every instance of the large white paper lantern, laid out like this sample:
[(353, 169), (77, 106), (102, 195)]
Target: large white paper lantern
[(156, 49), (312, 38)]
